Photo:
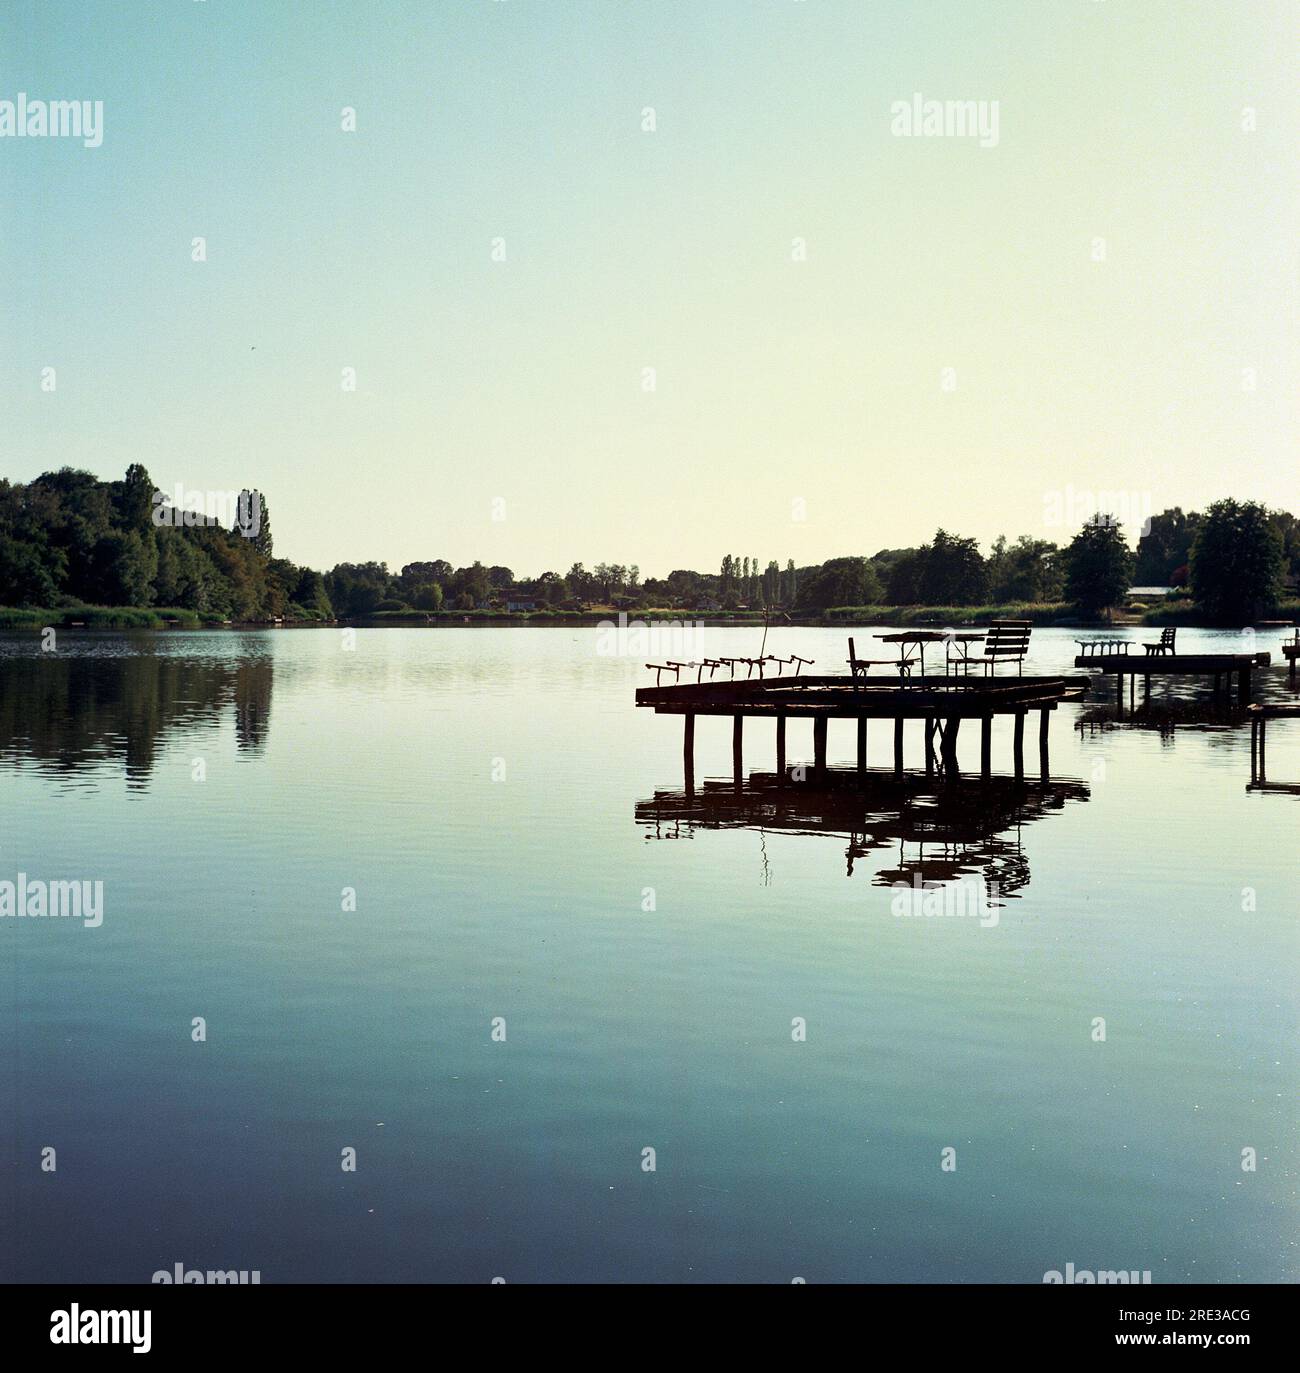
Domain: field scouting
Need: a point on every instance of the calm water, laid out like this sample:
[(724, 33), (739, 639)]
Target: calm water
[(501, 808)]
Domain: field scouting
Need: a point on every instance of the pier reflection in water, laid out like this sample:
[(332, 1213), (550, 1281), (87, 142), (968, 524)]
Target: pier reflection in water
[(925, 834)]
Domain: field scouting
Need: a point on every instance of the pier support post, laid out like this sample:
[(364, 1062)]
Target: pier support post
[(1263, 745), (737, 749), (819, 747), (930, 726), (780, 746), (1119, 695), (862, 748), (1243, 687), (1254, 750), (1018, 745), (1044, 723), (986, 747), (898, 749), (950, 728), (688, 751)]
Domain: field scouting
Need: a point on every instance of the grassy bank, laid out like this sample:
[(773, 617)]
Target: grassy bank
[(99, 617), (1039, 613)]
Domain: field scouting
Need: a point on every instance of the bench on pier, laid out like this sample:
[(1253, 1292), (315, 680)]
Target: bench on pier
[(1089, 648), (1007, 641), (1165, 644)]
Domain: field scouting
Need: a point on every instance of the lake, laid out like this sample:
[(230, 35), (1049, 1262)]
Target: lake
[(554, 961)]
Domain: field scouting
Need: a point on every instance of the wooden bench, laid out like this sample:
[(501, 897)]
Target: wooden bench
[(1007, 641), (1166, 642), (1089, 648)]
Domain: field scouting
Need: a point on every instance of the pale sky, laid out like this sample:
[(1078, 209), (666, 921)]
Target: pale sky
[(777, 380)]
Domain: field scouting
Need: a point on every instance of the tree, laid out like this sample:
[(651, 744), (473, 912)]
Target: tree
[(253, 521), (904, 584), (473, 582), (428, 597), (1028, 570), (126, 565), (311, 595), (954, 572), (1237, 562), (133, 499), (1098, 566), (841, 581), (581, 582), (27, 575), (1165, 547), (357, 588)]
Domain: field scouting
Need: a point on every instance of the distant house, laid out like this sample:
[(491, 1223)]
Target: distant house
[(519, 607), (1146, 593)]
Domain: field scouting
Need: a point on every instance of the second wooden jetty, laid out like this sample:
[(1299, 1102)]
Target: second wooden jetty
[(1224, 668)]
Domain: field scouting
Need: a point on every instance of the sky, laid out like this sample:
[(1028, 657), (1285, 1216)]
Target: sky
[(856, 336)]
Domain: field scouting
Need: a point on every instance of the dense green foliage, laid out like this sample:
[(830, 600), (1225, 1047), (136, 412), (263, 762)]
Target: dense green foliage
[(70, 544), (1098, 566), (68, 539), (1237, 561), (1165, 548)]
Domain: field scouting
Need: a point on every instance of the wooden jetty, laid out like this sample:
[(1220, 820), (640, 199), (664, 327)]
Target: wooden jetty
[(1260, 715), (1222, 667), (942, 702)]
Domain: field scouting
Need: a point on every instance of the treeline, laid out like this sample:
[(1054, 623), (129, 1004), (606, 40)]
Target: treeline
[(1237, 561), (69, 539)]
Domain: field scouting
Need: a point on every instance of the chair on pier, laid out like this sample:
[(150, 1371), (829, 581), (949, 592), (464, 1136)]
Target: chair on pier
[(859, 667), (1006, 642), (1166, 642), (676, 669)]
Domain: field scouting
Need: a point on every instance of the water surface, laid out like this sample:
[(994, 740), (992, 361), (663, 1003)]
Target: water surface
[(521, 850)]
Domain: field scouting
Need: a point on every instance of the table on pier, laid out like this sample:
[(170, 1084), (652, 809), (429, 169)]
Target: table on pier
[(912, 644)]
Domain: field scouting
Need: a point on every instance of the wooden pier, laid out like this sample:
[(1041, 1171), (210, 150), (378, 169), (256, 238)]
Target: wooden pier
[(942, 703), (1222, 667)]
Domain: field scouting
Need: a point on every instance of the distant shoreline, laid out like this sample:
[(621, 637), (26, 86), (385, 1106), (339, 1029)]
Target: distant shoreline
[(117, 618)]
